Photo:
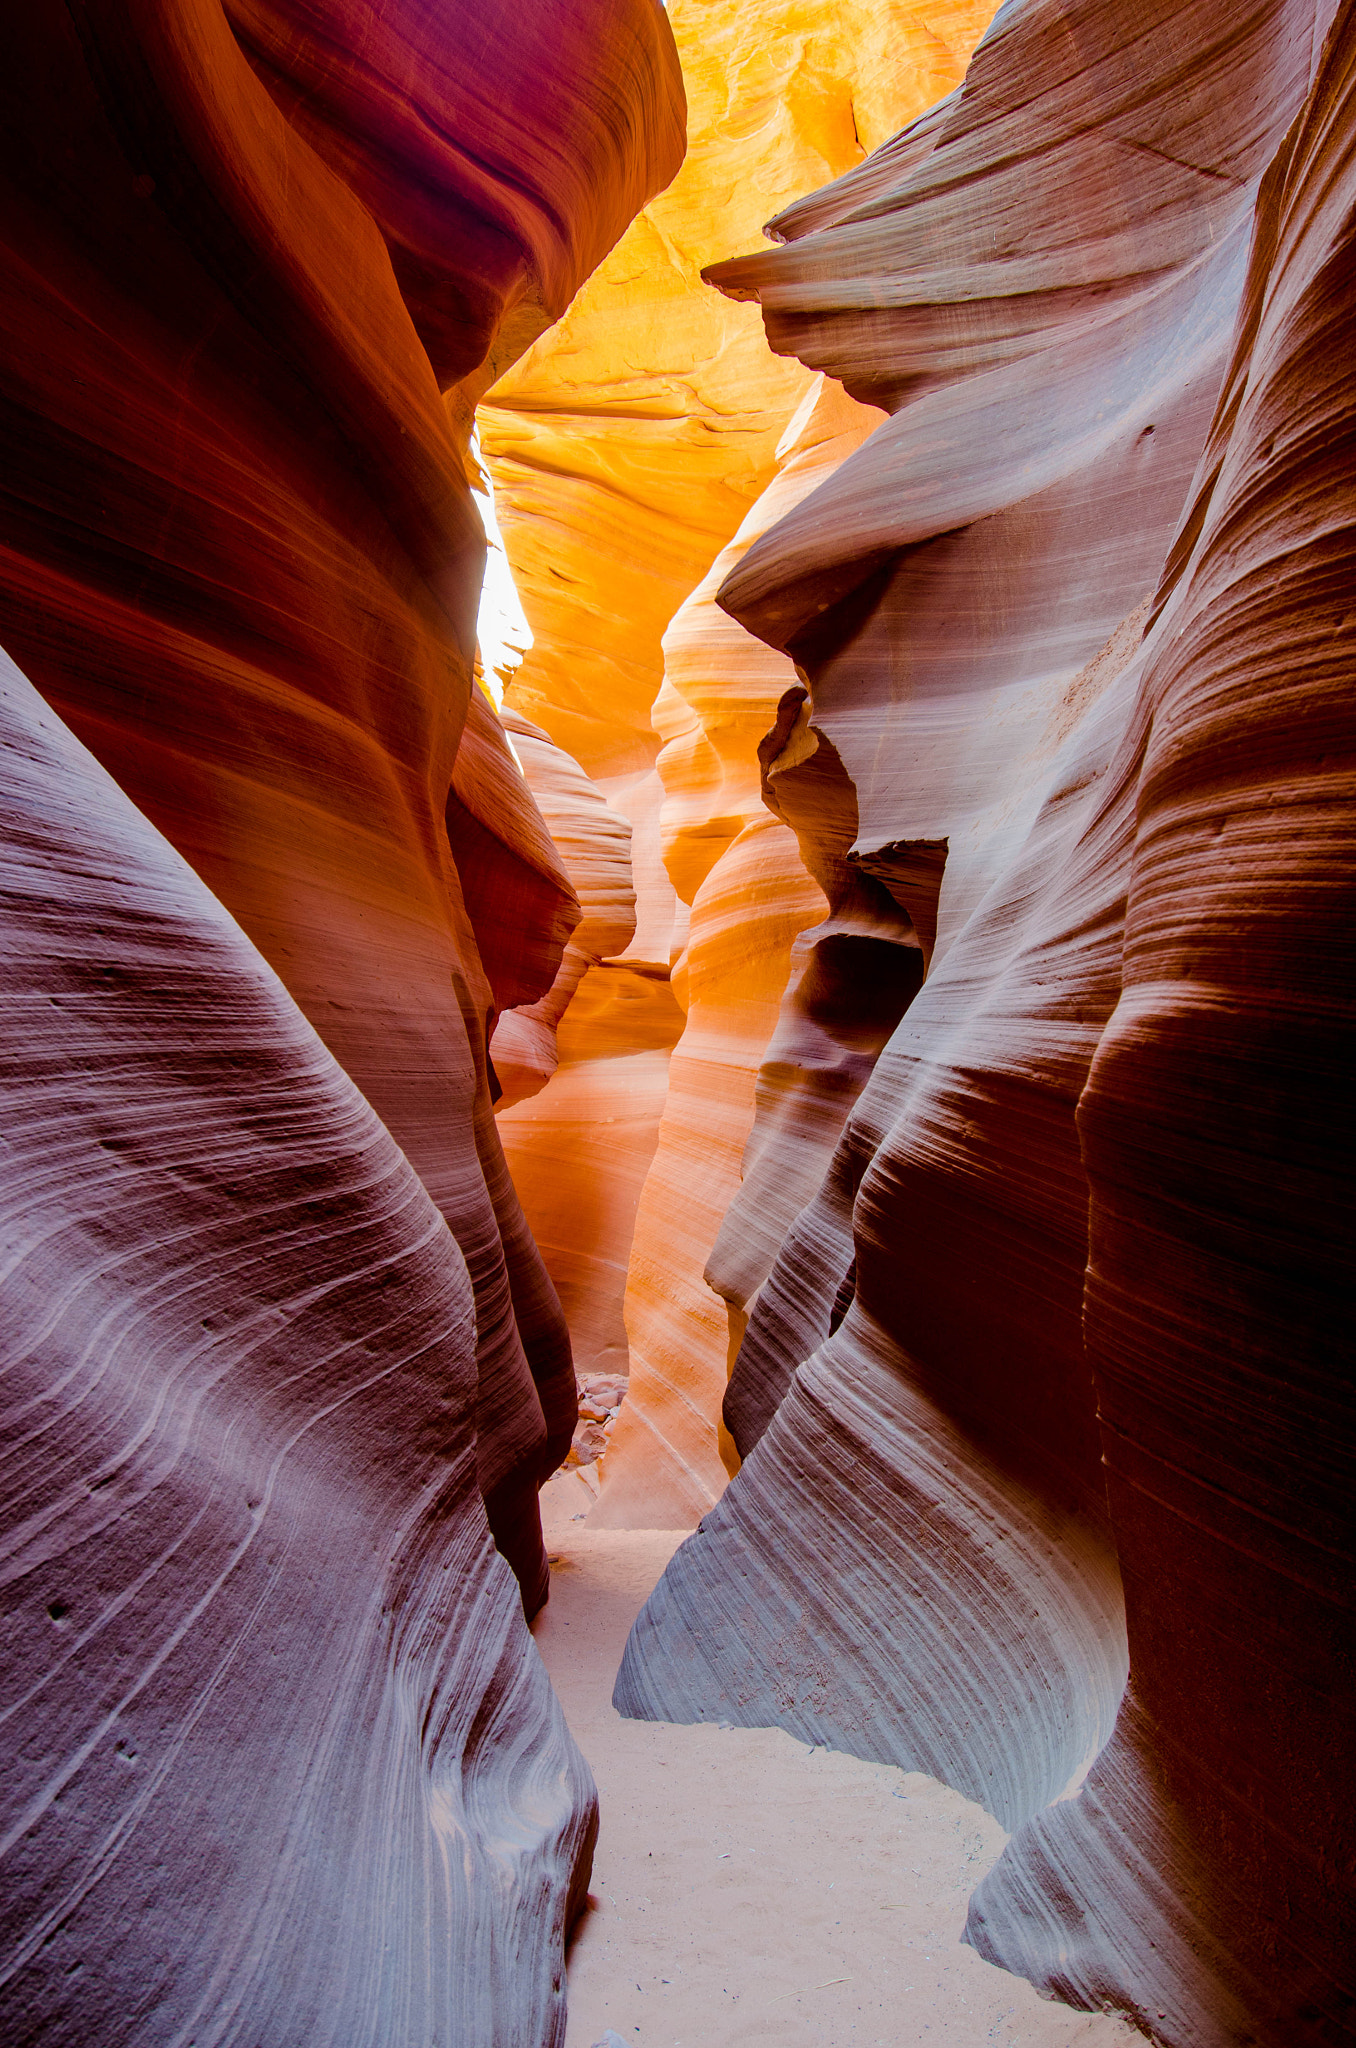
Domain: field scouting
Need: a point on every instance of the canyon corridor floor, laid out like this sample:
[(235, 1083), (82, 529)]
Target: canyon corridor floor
[(749, 1890)]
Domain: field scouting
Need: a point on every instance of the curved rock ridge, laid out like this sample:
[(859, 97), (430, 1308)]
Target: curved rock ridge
[(1218, 1822), (944, 585), (1150, 117), (281, 1764), (500, 155), (914, 1561), (238, 549), (626, 447), (918, 1559), (739, 869)]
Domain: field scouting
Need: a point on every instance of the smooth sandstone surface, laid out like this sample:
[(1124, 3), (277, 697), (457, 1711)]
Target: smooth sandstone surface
[(280, 1763), (1217, 1823), (254, 276), (626, 449), (280, 1358), (946, 1491), (751, 896)]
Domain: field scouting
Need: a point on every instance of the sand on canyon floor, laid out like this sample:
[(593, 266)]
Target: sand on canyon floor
[(748, 1889)]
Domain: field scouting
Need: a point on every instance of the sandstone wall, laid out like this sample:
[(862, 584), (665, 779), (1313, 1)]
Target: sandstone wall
[(1217, 1823), (958, 1522), (626, 448), (281, 1759), (281, 1763), (739, 867), (240, 553)]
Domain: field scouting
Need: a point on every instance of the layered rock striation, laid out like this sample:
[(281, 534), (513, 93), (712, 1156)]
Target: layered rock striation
[(280, 1355), (1043, 1384), (280, 1760), (1216, 1824), (627, 450), (255, 275)]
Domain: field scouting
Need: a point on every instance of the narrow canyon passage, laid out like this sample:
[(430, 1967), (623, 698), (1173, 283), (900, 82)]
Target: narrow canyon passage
[(677, 888), (748, 1888)]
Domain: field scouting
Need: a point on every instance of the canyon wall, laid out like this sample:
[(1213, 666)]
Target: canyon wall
[(738, 867), (626, 449), (281, 1761), (1217, 1823), (246, 319), (282, 1764), (1046, 1383)]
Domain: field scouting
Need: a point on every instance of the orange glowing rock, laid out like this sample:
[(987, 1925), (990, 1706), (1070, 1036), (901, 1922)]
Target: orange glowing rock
[(626, 448), (750, 896)]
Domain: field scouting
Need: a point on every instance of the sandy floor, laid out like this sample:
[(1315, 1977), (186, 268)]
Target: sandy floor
[(748, 1889)]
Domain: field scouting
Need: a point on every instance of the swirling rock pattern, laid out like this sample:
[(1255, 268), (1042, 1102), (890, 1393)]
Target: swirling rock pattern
[(280, 1762), (626, 449), (739, 869), (1218, 1821), (960, 1612), (973, 1419), (999, 529), (243, 260)]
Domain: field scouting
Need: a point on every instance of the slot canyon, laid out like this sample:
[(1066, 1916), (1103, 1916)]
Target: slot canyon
[(677, 907)]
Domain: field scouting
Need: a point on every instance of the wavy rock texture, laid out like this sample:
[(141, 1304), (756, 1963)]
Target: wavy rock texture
[(1218, 1822), (280, 1762), (244, 260), (914, 1561), (918, 1559), (739, 868), (625, 449)]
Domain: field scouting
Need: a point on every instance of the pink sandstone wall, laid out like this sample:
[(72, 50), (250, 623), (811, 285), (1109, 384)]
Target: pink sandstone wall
[(1044, 1384), (281, 1762)]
